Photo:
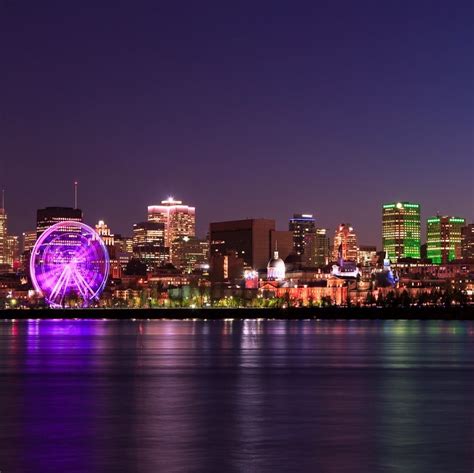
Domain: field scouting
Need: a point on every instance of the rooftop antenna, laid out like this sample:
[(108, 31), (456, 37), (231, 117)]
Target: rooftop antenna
[(75, 194), (3, 198)]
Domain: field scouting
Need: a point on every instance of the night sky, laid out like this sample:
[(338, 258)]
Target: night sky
[(243, 109)]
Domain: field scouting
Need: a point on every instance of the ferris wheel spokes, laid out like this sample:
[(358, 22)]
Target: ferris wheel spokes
[(69, 260)]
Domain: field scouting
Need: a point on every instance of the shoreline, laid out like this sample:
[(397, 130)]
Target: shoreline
[(326, 313)]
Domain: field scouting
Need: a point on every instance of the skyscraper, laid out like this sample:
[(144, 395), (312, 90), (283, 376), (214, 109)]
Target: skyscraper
[(321, 247), (12, 252), (301, 225), (346, 239), (467, 242), (191, 253), (179, 220), (51, 215), (401, 230), (249, 239), (317, 249), (443, 238), (149, 243), (28, 240)]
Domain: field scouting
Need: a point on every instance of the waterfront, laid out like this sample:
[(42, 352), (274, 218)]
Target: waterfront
[(236, 395)]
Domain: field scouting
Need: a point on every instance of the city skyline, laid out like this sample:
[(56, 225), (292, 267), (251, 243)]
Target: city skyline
[(203, 227), (236, 236), (335, 108)]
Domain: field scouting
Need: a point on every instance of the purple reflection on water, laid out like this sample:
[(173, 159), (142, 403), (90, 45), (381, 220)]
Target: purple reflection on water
[(179, 396)]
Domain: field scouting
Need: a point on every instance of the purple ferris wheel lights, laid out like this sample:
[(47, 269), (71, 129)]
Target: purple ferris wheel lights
[(69, 264)]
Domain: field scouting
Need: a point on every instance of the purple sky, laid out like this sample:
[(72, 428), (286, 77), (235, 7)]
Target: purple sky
[(243, 109)]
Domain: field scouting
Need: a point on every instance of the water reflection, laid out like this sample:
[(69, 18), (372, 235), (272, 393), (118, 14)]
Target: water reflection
[(241, 396)]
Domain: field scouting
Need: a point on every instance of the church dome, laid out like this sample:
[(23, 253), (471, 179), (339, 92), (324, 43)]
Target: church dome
[(276, 267)]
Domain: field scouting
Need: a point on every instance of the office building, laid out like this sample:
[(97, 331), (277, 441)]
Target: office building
[(149, 244), (51, 215), (467, 242), (346, 239), (401, 230), (226, 268), (12, 251), (28, 240), (317, 249), (249, 239), (179, 220), (124, 244), (367, 255), (321, 251), (443, 238), (122, 251), (191, 254), (301, 225), (104, 231)]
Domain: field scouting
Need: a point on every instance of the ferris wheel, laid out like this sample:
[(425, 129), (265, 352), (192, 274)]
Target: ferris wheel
[(69, 264)]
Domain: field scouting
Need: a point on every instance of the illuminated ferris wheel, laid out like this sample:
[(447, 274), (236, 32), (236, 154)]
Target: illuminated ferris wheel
[(69, 264)]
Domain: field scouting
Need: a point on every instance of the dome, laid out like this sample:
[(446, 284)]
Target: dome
[(276, 267), (275, 263)]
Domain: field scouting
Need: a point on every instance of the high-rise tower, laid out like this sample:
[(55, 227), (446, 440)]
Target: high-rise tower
[(179, 220), (401, 230), (443, 238), (301, 225), (345, 239), (51, 215)]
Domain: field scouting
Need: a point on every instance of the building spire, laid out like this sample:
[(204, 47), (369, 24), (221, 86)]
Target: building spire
[(75, 194), (3, 199)]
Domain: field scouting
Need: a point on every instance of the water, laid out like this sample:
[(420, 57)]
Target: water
[(242, 396)]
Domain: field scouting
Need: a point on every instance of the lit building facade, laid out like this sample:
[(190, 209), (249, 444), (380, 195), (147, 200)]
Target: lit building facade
[(367, 254), (191, 254), (346, 239), (301, 225), (321, 247), (179, 220), (443, 238), (149, 244), (226, 267), (28, 240), (317, 249), (401, 230), (12, 251), (467, 242), (123, 251), (51, 215), (104, 231)]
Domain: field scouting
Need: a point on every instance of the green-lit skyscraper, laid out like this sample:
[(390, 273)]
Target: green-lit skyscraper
[(443, 238), (401, 230)]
